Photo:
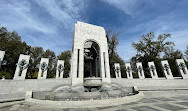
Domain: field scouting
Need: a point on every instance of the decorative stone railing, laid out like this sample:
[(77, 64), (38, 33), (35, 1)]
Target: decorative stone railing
[(60, 68), (182, 67), (23, 64), (140, 70), (128, 70), (2, 62), (44, 66), (152, 68), (166, 69), (2, 53), (117, 70)]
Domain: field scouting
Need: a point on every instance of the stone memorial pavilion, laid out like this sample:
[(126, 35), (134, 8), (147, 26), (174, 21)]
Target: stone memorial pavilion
[(92, 86)]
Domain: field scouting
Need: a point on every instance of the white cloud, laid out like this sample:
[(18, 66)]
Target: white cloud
[(180, 38), (159, 25), (130, 7), (18, 16), (65, 11), (126, 51)]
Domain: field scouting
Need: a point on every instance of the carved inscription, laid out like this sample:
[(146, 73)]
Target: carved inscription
[(88, 31)]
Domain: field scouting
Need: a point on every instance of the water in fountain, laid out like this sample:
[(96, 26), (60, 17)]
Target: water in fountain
[(77, 93)]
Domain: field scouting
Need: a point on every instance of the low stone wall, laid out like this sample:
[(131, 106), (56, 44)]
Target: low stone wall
[(153, 84), (20, 86), (85, 103), (16, 89)]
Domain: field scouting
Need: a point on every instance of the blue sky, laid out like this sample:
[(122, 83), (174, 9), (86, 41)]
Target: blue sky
[(50, 23)]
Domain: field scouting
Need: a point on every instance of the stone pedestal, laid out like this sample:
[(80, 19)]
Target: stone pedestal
[(43, 73), (167, 70), (28, 95), (182, 68), (93, 81), (117, 70), (21, 73), (59, 71), (2, 53), (152, 69), (129, 70), (140, 70)]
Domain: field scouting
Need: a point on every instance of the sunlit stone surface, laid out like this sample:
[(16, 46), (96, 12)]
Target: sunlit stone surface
[(20, 72), (153, 70), (140, 70), (117, 70), (60, 69), (86, 37), (43, 68), (182, 68), (129, 70), (166, 69)]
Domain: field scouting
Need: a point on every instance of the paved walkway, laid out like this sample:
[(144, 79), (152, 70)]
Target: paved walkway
[(158, 101)]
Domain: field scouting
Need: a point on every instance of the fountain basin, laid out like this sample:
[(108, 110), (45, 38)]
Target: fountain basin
[(90, 95), (96, 81), (72, 96), (62, 96), (75, 97), (85, 103), (116, 93)]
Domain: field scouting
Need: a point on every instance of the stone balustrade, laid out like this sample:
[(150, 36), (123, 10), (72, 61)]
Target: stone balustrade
[(23, 64)]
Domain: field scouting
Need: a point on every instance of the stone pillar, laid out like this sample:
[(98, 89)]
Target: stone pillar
[(81, 65), (166, 69), (140, 70), (91, 72), (105, 68), (182, 68), (43, 68), (107, 65), (152, 69), (74, 63), (128, 70), (117, 70), (60, 69), (22, 67), (77, 67), (103, 75), (96, 67), (2, 53)]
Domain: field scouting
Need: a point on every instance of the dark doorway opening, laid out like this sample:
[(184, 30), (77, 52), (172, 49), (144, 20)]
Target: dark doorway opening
[(91, 59)]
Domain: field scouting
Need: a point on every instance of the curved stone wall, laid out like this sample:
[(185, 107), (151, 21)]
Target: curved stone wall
[(14, 89), (152, 84)]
